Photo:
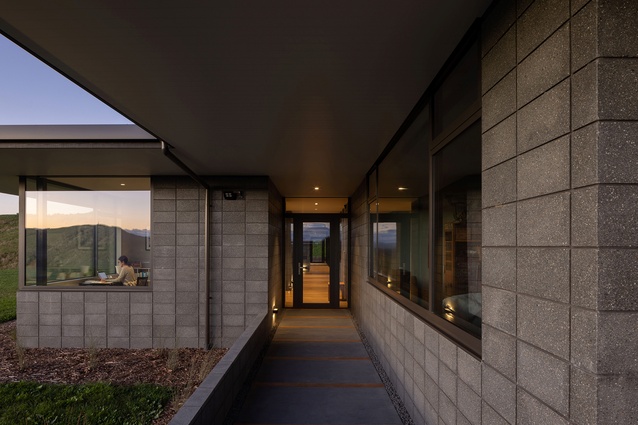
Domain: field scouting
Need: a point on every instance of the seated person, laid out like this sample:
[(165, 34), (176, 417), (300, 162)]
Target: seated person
[(127, 273)]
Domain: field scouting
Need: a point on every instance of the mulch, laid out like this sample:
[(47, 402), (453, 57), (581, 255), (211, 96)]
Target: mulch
[(181, 368)]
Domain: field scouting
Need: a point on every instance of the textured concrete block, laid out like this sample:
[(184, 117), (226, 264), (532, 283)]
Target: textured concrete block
[(618, 89), (544, 68), (499, 143), (447, 409), (544, 170), (617, 217), (583, 397), (448, 353), (544, 119), (618, 35), (499, 226), (618, 279), (544, 221), (584, 339), (617, 400), (585, 217), (447, 382), (469, 371), (584, 277), (500, 394), (499, 184), (585, 101), (538, 22), (499, 309), (499, 102), (544, 272), (469, 403), (585, 36), (499, 61), (489, 416), (499, 351), (432, 366), (544, 376), (532, 411), (617, 342), (496, 23), (544, 324)]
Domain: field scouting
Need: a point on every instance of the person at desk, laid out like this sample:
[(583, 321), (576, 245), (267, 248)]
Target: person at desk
[(127, 273)]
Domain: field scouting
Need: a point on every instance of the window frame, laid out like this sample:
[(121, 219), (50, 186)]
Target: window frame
[(463, 121)]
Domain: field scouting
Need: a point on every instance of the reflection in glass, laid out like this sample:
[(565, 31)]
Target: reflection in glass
[(457, 182), (316, 260), (74, 233)]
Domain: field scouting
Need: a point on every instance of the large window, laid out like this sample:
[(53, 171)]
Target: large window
[(76, 228), (425, 205)]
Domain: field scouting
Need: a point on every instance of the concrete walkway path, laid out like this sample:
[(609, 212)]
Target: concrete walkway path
[(317, 371)]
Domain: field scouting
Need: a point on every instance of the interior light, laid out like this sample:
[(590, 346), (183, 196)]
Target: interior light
[(316, 203), (316, 187), (403, 188), (122, 184)]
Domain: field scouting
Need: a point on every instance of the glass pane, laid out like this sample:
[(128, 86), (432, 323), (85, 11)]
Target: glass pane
[(343, 268), (316, 258), (73, 232), (288, 254), (403, 214), (457, 174)]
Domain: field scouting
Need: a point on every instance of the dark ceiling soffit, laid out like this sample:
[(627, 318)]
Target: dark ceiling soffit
[(469, 37), (88, 144)]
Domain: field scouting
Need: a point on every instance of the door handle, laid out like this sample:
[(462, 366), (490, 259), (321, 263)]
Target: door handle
[(300, 268)]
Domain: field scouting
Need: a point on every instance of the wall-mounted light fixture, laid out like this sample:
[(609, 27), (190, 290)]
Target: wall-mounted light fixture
[(231, 195)]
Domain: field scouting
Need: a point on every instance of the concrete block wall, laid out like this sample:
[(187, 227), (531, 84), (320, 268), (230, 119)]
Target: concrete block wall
[(559, 115), (560, 238)]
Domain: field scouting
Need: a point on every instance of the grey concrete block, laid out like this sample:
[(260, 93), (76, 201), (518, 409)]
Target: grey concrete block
[(583, 398), (447, 409), (544, 170), (605, 152), (257, 240), (447, 382), (544, 221), (448, 353), (431, 392), (256, 252), (27, 296), (234, 240), (469, 371), (499, 309), (234, 205), (118, 342), (618, 89), (187, 228), (545, 67), (532, 411), (499, 102), (469, 403), (72, 297), (73, 331), (162, 239), (584, 277), (234, 229), (72, 342), (544, 119), (496, 23), (163, 205), (50, 341), (585, 217), (618, 215), (618, 279), (257, 217), (544, 376), (499, 61), (258, 205), (500, 394), (432, 366), (499, 184), (618, 35), (617, 342), (234, 263), (73, 320), (538, 22), (499, 143), (190, 205), (163, 217), (585, 101), (499, 226), (584, 339), (140, 342), (585, 36), (544, 272), (617, 400), (25, 331), (544, 324), (489, 416), (50, 319), (499, 351), (144, 320), (49, 331)]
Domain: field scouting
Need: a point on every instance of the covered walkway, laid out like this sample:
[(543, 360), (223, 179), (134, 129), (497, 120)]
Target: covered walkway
[(317, 371)]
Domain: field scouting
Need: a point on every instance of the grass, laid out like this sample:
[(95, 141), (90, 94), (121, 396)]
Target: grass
[(97, 403), (8, 288)]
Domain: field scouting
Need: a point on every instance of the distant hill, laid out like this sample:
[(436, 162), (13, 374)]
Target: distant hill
[(8, 242)]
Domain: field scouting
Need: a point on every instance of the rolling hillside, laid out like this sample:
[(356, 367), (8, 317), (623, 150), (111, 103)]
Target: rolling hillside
[(8, 242)]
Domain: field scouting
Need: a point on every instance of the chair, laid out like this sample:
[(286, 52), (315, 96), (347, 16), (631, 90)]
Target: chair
[(142, 281)]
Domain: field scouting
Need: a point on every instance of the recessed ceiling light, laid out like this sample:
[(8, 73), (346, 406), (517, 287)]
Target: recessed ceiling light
[(316, 187), (122, 184), (316, 203), (403, 188)]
